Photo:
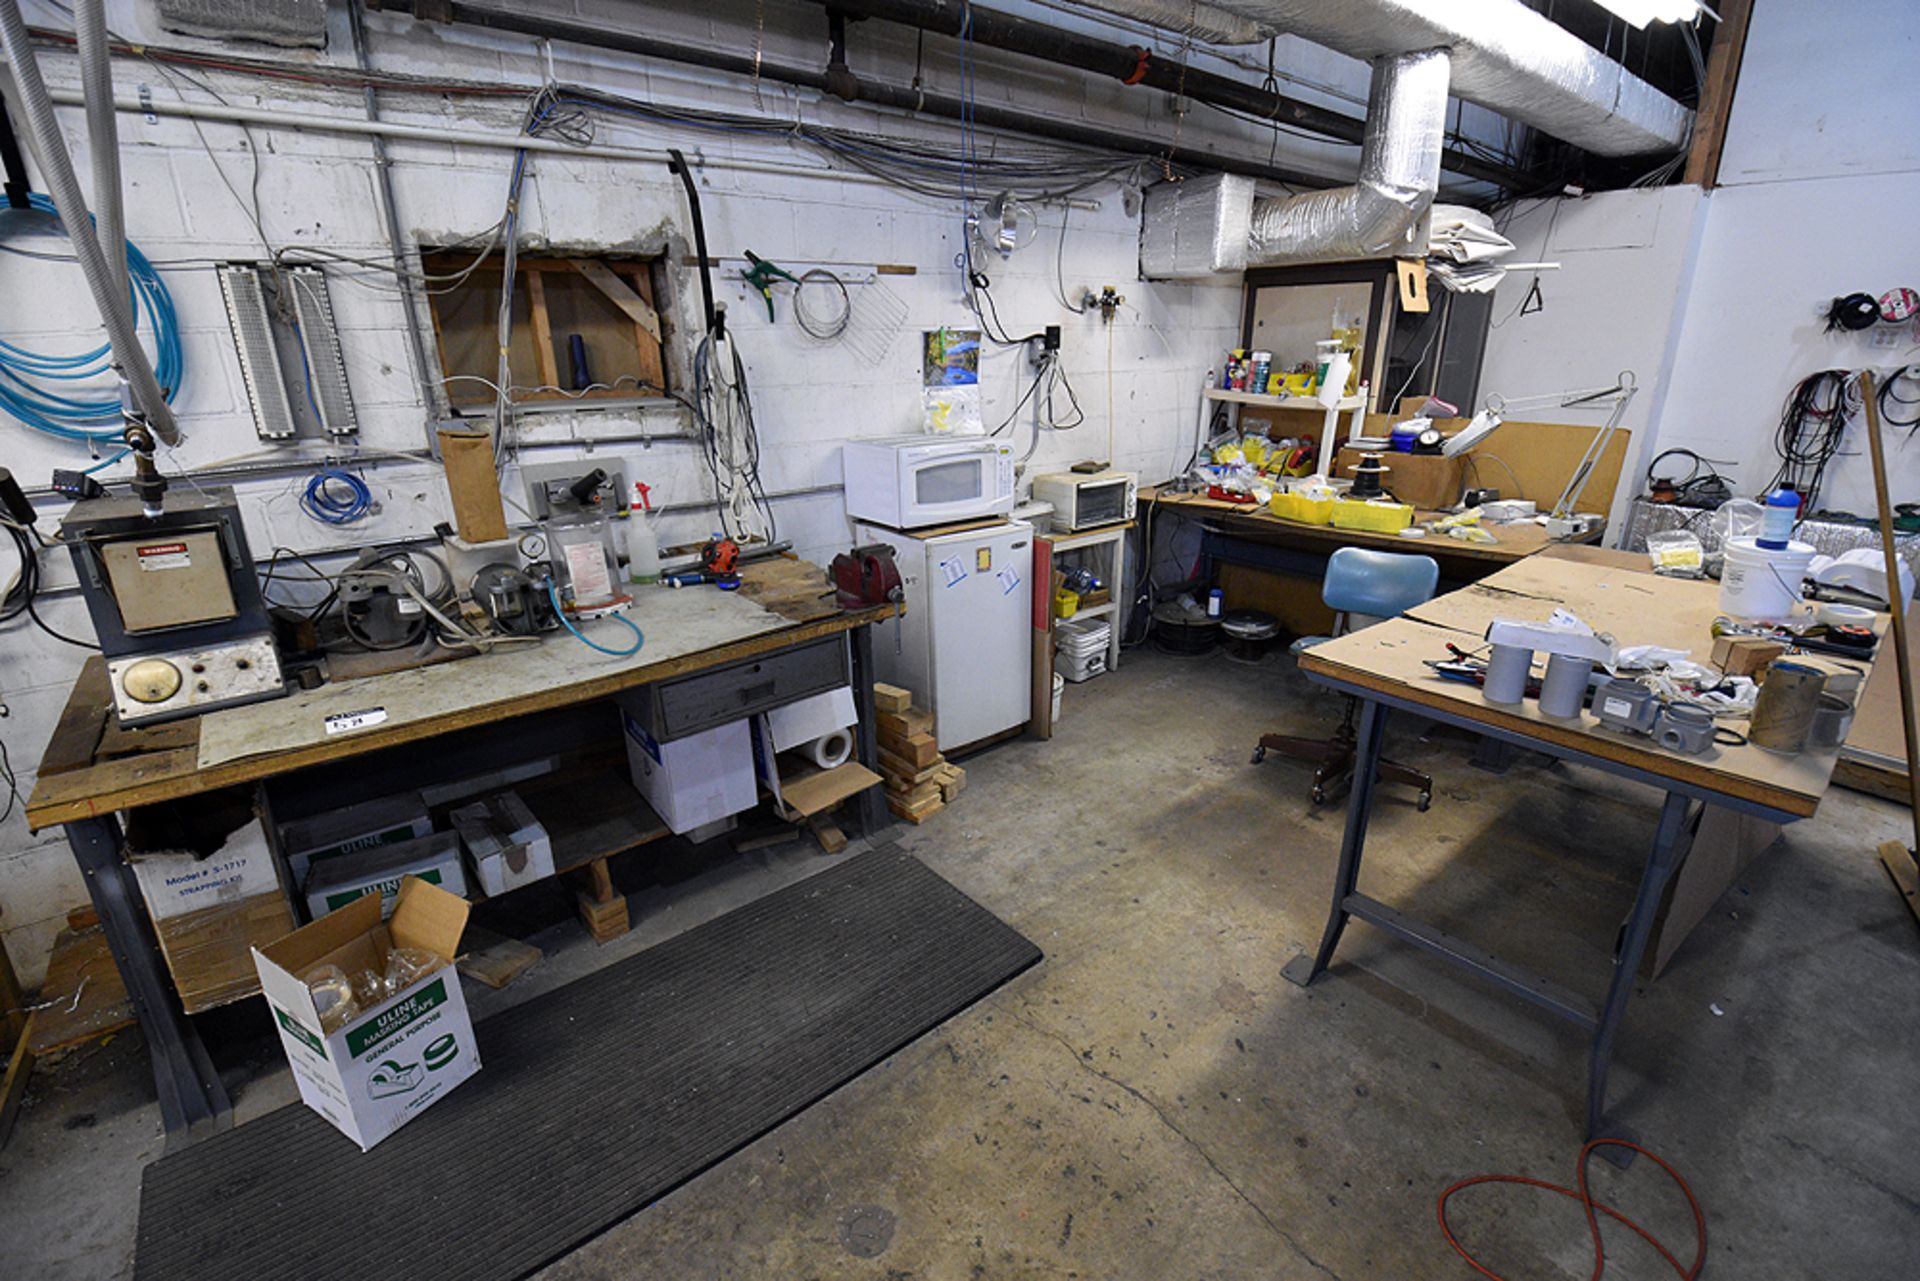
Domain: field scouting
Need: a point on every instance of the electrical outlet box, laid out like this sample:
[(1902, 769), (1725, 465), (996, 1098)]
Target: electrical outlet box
[(547, 484)]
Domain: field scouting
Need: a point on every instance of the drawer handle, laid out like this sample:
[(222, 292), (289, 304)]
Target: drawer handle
[(753, 693)]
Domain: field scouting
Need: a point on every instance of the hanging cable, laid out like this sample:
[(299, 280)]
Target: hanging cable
[(323, 500), (72, 414), (1811, 426)]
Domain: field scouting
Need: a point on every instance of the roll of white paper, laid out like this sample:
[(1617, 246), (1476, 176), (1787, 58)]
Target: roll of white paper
[(830, 751)]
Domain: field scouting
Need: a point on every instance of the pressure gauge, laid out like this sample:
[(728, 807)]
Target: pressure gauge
[(151, 680)]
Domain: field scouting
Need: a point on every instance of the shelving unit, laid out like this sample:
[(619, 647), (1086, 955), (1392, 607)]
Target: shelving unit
[(1330, 415), (1112, 539)]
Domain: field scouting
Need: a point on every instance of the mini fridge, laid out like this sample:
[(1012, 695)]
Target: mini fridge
[(964, 646)]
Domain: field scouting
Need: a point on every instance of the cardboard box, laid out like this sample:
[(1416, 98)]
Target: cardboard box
[(505, 842), (1428, 481), (335, 883), (804, 720), (388, 1064), (177, 884), (695, 780), (385, 821)]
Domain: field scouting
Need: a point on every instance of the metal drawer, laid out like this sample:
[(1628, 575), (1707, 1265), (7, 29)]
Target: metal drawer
[(676, 708)]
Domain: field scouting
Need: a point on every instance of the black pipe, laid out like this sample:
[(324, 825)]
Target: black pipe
[(679, 166), (1131, 64), (874, 92)]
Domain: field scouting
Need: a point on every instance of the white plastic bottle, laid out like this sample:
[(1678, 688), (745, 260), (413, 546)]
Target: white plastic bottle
[(643, 541)]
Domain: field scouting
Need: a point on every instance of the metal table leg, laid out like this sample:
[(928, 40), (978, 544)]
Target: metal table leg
[(1626, 958), (193, 1102), (867, 807), (1303, 969)]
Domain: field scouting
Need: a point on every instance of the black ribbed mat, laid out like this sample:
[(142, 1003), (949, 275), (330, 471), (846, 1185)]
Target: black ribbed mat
[(594, 1099)]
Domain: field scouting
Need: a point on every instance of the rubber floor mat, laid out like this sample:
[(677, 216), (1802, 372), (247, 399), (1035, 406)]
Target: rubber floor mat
[(594, 1099)]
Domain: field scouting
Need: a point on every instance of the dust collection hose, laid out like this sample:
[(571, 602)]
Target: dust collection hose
[(57, 168), (103, 137)]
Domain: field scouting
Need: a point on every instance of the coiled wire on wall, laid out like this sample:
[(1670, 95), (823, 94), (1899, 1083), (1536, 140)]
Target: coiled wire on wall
[(25, 374)]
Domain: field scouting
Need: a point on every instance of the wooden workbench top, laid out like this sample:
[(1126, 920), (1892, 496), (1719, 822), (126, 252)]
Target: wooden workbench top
[(1613, 592), (1516, 541), (93, 767)]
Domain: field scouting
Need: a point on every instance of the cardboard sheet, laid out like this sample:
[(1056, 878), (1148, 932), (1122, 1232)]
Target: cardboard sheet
[(676, 623)]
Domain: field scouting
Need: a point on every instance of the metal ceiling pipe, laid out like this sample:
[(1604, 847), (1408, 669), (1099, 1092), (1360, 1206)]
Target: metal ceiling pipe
[(1133, 65), (56, 169), (103, 140), (1506, 57), (873, 92), (1384, 213)]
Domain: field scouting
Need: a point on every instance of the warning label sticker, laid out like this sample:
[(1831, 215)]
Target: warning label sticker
[(164, 556)]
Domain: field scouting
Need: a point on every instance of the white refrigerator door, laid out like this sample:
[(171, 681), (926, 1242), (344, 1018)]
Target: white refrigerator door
[(980, 590)]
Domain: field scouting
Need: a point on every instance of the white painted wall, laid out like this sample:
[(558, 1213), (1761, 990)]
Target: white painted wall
[(1716, 300), (1140, 378), (1611, 307)]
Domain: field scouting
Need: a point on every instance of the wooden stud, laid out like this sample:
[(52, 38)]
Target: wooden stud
[(620, 294), (602, 909), (494, 959), (546, 360), (891, 698), (832, 839), (14, 1087), (1716, 93)]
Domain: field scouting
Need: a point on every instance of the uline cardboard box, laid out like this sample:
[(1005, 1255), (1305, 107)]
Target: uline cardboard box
[(389, 1063), (386, 820), (695, 780), (378, 871), (506, 843)]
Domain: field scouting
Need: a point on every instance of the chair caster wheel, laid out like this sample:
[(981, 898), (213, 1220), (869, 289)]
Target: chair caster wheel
[(1319, 795), (1426, 799), (1259, 754)]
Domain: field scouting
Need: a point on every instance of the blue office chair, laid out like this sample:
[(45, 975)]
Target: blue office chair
[(1373, 585)]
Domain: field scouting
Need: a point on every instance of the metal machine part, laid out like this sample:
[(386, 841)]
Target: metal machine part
[(514, 600), (179, 589), (1683, 727), (1626, 705), (573, 485), (188, 681), (375, 606)]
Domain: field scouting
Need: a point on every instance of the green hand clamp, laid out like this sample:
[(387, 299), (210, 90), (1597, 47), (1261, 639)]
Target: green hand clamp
[(763, 274)]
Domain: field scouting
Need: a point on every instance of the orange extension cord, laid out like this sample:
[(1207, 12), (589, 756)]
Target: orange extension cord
[(1585, 1197)]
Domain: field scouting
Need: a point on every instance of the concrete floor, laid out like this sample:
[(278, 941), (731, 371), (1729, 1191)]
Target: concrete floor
[(1153, 1101)]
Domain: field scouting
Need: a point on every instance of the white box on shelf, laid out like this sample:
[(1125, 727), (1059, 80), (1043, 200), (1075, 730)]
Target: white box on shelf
[(695, 780), (505, 842)]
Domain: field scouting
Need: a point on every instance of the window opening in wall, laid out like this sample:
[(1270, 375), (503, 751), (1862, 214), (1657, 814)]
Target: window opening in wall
[(584, 329), (289, 348)]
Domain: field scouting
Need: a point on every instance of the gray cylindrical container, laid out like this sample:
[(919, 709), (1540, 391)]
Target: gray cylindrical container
[(1783, 714), (1507, 669), (1565, 688)]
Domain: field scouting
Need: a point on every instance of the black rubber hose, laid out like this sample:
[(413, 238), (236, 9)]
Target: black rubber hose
[(680, 167)]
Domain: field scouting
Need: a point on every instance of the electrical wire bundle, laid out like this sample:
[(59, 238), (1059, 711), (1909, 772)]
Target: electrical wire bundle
[(1887, 398), (324, 499), (24, 590), (36, 388), (722, 408), (1049, 378), (1811, 426)]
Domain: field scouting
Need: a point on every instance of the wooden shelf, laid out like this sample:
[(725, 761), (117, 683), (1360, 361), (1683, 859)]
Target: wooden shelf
[(1344, 404), (591, 811)]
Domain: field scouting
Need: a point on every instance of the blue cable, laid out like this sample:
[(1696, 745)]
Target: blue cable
[(553, 594), (73, 417), (320, 502)]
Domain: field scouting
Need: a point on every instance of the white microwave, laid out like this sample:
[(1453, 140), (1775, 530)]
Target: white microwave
[(912, 482), (1087, 500)]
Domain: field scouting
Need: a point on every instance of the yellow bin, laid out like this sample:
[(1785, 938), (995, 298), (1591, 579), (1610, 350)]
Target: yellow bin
[(1308, 511), (1381, 518)]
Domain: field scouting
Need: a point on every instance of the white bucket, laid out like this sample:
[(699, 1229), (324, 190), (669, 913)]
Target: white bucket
[(1059, 689), (1762, 583)]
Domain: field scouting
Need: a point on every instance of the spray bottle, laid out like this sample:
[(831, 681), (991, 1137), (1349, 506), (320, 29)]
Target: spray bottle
[(643, 541)]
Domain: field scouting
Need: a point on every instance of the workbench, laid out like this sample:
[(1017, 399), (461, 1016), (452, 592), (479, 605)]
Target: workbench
[(1244, 536), (1384, 667), (349, 741)]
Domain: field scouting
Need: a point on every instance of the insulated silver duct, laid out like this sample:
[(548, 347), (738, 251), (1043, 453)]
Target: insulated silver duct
[(1201, 21), (1384, 213), (1506, 57), (56, 168)]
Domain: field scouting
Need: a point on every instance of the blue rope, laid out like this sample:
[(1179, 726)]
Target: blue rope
[(24, 373), (553, 594)]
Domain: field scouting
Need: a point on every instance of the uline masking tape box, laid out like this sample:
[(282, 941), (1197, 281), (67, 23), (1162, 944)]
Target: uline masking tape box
[(339, 881), (389, 1062), (386, 820)]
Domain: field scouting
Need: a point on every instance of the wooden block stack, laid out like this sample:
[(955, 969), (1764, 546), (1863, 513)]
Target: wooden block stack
[(920, 782)]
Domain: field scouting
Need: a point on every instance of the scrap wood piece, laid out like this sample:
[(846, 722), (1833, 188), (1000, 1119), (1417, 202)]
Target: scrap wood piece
[(494, 959), (1899, 862), (891, 698), (82, 997), (620, 293), (14, 1087)]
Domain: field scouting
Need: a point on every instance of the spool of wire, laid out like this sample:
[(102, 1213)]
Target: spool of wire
[(92, 414), (335, 497), (833, 321)]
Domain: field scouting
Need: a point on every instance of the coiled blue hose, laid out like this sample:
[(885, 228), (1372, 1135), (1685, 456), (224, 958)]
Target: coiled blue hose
[(24, 374), (639, 639), (323, 501)]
